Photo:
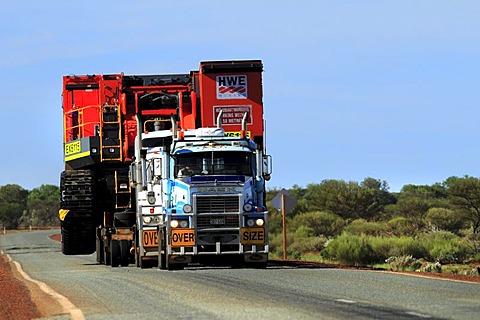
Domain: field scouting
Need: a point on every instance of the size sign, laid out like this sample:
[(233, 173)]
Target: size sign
[(252, 236)]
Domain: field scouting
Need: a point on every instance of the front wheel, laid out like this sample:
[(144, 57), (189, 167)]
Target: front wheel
[(124, 253), (114, 253)]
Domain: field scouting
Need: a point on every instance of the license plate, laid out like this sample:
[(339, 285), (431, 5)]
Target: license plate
[(253, 236), (182, 237), (217, 221), (150, 238)]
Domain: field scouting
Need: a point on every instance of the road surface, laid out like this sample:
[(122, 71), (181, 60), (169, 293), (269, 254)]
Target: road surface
[(101, 292)]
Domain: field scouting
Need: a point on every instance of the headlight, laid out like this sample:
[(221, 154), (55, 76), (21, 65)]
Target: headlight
[(247, 207), (187, 208), (250, 222), (151, 198), (147, 219), (157, 219), (259, 222), (174, 223), (183, 223)]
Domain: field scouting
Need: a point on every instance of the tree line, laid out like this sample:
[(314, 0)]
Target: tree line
[(348, 221), (29, 208), (364, 223)]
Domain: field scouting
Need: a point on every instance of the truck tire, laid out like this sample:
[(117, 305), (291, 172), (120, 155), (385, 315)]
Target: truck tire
[(108, 260), (162, 250), (78, 234), (77, 189), (114, 253), (125, 246), (100, 251)]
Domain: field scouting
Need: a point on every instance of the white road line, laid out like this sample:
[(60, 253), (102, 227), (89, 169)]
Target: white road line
[(345, 301), (67, 306), (420, 315)]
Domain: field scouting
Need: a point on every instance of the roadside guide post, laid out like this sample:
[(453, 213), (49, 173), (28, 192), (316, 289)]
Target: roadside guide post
[(284, 203)]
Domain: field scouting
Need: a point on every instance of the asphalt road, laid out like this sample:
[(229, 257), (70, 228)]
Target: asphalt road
[(102, 292)]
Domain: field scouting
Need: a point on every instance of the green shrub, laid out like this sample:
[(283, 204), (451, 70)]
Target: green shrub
[(445, 219), (433, 267), (408, 246), (307, 245), (350, 249), (381, 247), (401, 226), (403, 263), (322, 223), (361, 226), (386, 247), (304, 232), (445, 247)]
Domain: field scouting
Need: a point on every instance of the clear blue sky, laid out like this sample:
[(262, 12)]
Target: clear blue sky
[(352, 89)]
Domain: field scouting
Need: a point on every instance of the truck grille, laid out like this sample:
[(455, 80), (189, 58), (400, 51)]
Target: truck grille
[(218, 204), (217, 221)]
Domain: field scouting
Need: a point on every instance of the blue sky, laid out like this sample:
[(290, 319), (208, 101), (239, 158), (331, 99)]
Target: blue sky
[(352, 89)]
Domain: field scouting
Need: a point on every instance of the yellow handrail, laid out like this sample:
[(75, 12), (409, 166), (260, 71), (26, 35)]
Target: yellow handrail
[(80, 124)]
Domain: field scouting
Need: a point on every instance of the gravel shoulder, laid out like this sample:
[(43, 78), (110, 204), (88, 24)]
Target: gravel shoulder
[(21, 299)]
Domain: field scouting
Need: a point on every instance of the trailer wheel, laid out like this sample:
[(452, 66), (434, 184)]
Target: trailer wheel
[(162, 250), (78, 234), (77, 189), (124, 253), (106, 249), (114, 253), (100, 251)]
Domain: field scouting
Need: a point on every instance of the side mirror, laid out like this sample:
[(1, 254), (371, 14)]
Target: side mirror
[(267, 166)]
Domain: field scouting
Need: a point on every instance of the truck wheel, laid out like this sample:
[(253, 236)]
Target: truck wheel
[(77, 189), (78, 234), (108, 259), (162, 250), (100, 251), (115, 253), (124, 253), (136, 256)]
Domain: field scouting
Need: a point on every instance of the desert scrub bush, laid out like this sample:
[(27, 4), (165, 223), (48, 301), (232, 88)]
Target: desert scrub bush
[(407, 246), (403, 263), (445, 247), (381, 247), (276, 243), (473, 271), (361, 226), (385, 247), (350, 249), (445, 219), (401, 226), (307, 245), (304, 240), (322, 223), (433, 267)]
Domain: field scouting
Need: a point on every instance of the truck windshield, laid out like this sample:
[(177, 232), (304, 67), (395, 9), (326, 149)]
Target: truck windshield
[(213, 163)]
